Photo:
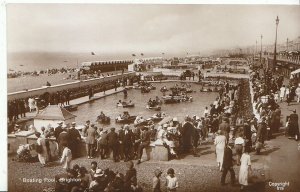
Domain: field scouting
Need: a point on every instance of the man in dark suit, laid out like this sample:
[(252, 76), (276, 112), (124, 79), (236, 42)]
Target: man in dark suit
[(145, 142), (63, 140), (227, 166), (91, 134), (58, 130), (128, 141), (293, 119), (102, 144), (121, 144), (74, 140), (113, 140)]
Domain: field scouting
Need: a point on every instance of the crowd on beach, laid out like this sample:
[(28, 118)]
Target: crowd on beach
[(53, 71)]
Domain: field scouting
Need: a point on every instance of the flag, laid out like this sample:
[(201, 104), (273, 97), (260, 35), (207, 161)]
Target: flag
[(92, 53), (133, 55)]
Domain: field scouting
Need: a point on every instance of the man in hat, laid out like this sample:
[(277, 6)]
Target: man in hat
[(187, 130), (121, 144), (58, 130), (128, 141), (86, 126), (293, 124), (261, 134), (144, 142), (91, 134), (227, 165), (102, 144), (62, 140), (74, 140), (113, 140)]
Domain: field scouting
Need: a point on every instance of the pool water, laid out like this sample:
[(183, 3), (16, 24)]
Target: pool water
[(108, 105)]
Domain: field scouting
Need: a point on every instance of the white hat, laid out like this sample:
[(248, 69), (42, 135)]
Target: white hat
[(73, 123), (175, 119), (165, 125), (99, 173)]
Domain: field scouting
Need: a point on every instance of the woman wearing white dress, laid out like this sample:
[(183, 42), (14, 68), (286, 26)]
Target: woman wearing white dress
[(245, 168), (220, 143), (66, 157), (282, 92)]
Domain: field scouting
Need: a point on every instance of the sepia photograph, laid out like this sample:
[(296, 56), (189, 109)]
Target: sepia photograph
[(152, 97)]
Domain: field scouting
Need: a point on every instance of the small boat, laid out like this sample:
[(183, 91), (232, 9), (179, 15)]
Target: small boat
[(126, 121), (205, 90), (125, 105), (163, 89), (155, 108), (145, 122), (103, 120), (155, 119), (71, 107), (189, 90)]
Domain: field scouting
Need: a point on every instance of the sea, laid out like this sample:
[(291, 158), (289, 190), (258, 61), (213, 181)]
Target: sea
[(35, 61)]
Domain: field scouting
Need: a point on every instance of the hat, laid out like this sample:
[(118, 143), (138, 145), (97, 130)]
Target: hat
[(157, 172), (99, 173), (197, 118), (64, 126), (73, 123), (165, 126), (17, 125), (175, 119), (294, 110), (60, 123)]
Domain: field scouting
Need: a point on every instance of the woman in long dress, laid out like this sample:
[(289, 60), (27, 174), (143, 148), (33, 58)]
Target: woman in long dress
[(245, 168), (42, 155), (220, 143)]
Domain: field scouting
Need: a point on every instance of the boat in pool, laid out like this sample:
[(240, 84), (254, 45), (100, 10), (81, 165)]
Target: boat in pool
[(103, 120), (125, 121), (125, 105), (155, 108)]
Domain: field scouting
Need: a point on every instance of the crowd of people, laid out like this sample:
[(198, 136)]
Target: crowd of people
[(230, 121), (53, 71)]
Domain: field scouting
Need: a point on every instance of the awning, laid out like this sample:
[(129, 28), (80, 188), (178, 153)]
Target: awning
[(295, 72)]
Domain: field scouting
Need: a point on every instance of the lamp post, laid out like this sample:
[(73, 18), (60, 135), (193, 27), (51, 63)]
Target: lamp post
[(274, 60), (261, 49)]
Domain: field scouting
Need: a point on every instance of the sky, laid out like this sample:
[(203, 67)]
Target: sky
[(108, 28)]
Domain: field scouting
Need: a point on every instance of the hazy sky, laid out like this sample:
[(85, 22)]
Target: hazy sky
[(145, 28)]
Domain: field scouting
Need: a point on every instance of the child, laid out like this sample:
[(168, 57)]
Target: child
[(66, 157), (156, 180), (171, 181)]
